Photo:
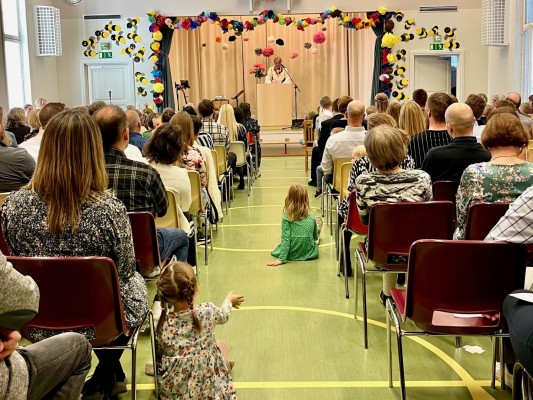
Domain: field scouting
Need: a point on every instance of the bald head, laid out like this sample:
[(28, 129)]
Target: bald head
[(113, 127), (134, 121), (355, 113), (514, 98), (460, 120)]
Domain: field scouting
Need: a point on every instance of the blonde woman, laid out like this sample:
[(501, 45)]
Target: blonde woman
[(394, 111), (411, 118), (16, 123), (236, 132), (381, 101), (66, 211)]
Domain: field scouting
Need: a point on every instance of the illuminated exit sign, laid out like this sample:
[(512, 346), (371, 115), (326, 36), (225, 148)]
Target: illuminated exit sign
[(436, 46)]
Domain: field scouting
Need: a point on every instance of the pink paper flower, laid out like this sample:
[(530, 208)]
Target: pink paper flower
[(319, 38), (294, 54), (268, 51)]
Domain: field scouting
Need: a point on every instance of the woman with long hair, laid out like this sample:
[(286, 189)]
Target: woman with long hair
[(411, 118), (253, 130), (16, 123), (66, 211), (237, 132)]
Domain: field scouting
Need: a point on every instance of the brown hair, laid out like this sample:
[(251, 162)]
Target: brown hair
[(501, 110), (420, 97), (95, 106), (505, 103), (504, 130), (343, 103), (394, 111), (297, 203), (113, 122), (206, 108), (48, 111), (166, 145), (385, 147), (177, 282), (477, 104), (33, 118), (380, 118), (184, 121), (167, 115), (146, 120), (411, 118), (15, 118), (70, 168), (438, 103), (381, 101), (245, 107)]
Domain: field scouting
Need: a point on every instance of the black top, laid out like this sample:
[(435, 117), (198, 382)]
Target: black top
[(422, 142), (447, 163), (325, 129), (20, 132)]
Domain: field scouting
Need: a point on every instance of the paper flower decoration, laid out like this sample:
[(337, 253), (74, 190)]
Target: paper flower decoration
[(158, 36), (307, 45), (204, 44), (158, 88), (294, 54), (280, 42), (389, 40), (324, 29), (224, 46), (319, 38), (382, 10), (232, 38), (246, 39), (271, 39), (258, 51), (314, 51), (218, 39), (268, 51)]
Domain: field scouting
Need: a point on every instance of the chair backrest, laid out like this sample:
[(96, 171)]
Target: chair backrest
[(353, 220), (221, 156), (309, 135), (529, 151), (3, 245), (214, 154), (447, 277), (76, 293), (171, 218), (144, 241), (344, 176), (240, 151), (337, 164), (393, 227), (445, 190), (482, 217), (196, 193), (3, 196)]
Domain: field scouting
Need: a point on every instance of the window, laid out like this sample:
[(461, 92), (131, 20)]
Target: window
[(16, 52)]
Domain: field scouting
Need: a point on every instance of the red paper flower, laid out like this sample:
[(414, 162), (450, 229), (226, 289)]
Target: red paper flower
[(186, 24), (319, 38), (268, 51)]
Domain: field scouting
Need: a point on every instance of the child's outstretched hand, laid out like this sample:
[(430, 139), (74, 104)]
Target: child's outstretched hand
[(275, 263), (235, 299)]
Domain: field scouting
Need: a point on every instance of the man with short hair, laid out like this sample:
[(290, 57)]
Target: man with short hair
[(326, 106), (477, 104), (420, 97), (516, 99), (447, 163), (342, 144), (134, 126), (45, 115), (436, 135), (137, 185)]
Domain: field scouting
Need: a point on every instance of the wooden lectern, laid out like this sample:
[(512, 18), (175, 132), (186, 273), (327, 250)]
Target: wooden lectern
[(274, 105)]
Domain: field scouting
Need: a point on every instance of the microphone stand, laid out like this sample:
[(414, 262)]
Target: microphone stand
[(178, 88), (296, 90)]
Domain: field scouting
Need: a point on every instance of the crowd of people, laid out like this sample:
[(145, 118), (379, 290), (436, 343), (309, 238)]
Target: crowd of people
[(74, 174)]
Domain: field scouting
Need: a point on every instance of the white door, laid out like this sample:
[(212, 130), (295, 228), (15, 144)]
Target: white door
[(111, 82), (432, 73)]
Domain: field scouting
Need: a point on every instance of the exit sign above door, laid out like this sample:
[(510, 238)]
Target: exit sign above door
[(436, 46), (105, 54)]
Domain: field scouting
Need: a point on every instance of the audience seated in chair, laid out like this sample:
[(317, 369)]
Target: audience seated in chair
[(67, 211)]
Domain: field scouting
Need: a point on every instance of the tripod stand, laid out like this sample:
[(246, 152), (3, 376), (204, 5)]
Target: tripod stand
[(180, 87)]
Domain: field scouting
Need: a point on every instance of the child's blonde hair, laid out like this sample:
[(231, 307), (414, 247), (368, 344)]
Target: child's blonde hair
[(297, 203), (177, 282), (359, 152)]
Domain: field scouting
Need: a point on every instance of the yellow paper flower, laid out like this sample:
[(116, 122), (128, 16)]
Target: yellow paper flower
[(389, 40), (155, 46), (158, 36), (151, 12), (159, 87), (382, 10)]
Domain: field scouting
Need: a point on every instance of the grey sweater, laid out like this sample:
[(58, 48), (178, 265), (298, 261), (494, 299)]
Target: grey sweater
[(19, 300)]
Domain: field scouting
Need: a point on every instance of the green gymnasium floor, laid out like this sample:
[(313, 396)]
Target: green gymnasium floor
[(295, 336)]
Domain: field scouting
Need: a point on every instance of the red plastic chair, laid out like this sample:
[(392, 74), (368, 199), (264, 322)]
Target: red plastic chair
[(446, 278), (145, 244), (90, 300), (353, 224), (445, 190), (392, 228), (3, 245), (482, 217)]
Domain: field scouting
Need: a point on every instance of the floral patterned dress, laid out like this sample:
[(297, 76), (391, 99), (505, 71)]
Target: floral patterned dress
[(190, 363), (490, 183), (193, 161)]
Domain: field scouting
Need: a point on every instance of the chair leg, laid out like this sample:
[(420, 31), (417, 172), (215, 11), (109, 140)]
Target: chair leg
[(249, 178), (359, 260), (322, 201), (365, 315), (211, 234), (389, 340), (134, 371), (493, 377), (154, 357), (340, 249), (502, 365), (400, 361), (205, 236), (195, 219), (331, 214), (458, 342)]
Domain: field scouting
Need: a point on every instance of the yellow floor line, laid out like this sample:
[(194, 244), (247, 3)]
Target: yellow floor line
[(256, 250)]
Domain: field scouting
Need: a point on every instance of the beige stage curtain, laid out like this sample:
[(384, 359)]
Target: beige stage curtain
[(343, 64)]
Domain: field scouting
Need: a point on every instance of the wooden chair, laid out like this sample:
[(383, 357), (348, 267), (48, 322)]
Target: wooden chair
[(446, 278), (145, 244), (239, 149), (225, 171), (3, 196), (392, 228), (198, 212), (91, 300), (343, 192), (332, 190), (309, 139)]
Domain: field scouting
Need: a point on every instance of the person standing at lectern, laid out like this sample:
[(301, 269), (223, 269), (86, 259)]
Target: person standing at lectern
[(277, 73)]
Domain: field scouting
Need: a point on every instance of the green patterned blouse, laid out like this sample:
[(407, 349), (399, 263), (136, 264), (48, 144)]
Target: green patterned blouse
[(298, 240)]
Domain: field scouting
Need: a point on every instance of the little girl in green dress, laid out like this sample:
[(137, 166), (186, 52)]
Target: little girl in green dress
[(299, 230)]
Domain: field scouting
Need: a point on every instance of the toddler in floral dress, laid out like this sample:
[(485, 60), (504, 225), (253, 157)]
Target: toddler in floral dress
[(191, 362)]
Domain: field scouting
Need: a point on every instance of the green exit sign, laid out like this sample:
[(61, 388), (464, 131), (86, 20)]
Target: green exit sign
[(433, 46), (105, 54)]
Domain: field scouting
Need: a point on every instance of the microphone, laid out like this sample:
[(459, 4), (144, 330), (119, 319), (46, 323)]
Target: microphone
[(282, 66)]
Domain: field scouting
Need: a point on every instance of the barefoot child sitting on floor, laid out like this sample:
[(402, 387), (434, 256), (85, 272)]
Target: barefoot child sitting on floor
[(299, 230)]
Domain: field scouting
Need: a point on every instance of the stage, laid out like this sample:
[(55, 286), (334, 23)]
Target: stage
[(281, 142)]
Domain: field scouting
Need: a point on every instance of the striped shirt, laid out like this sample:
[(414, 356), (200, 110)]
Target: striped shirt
[(422, 142), (218, 133)]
